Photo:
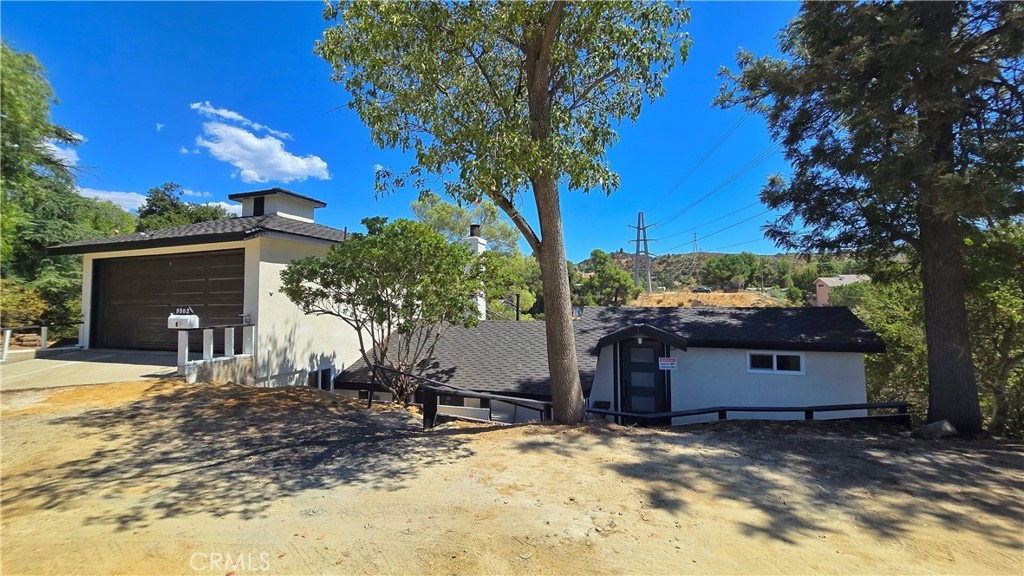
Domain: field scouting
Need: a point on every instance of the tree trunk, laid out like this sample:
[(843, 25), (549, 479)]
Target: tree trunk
[(952, 388), (566, 391), (563, 366), (1000, 405)]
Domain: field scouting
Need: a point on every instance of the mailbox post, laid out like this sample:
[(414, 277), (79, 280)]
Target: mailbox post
[(182, 319)]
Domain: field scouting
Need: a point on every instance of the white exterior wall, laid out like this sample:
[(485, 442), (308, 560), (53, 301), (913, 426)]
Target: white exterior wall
[(288, 342), (709, 377), (603, 388), (251, 278)]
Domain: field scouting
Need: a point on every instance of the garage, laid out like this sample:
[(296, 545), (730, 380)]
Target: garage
[(133, 296)]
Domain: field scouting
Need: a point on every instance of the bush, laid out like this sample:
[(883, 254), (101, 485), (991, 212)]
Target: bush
[(19, 304)]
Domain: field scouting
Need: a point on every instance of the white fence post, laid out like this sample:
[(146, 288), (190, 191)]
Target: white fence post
[(248, 339), (7, 343), (229, 341), (182, 351), (208, 344), (45, 336)]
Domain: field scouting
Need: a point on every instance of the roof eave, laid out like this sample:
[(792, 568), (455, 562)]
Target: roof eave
[(145, 243)]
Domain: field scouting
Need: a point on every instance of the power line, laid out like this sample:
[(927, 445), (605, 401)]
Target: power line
[(703, 159), (736, 244), (733, 225), (746, 168), (709, 222)]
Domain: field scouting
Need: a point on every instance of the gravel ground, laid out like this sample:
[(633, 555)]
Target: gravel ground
[(160, 477)]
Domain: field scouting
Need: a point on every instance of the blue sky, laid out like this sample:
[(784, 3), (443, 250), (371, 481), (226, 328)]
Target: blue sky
[(228, 97)]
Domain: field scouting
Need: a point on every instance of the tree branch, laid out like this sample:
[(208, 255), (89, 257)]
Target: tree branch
[(517, 218), (581, 99)]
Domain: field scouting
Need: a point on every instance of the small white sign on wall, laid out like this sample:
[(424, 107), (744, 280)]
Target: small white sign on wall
[(666, 363)]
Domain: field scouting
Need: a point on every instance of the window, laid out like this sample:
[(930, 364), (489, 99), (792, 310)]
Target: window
[(258, 206), (775, 363)]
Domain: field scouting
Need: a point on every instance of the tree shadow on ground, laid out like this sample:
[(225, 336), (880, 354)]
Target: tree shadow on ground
[(802, 475), (226, 449)]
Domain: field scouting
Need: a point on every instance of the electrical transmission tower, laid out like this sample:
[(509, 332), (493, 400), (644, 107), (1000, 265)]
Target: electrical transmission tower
[(641, 239), (693, 266)]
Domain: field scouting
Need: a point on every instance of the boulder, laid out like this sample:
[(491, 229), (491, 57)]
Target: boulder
[(936, 430), (27, 340)]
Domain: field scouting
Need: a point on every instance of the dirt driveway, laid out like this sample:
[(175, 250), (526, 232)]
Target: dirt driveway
[(157, 477)]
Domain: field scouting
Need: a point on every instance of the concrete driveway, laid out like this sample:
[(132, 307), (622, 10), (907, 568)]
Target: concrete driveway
[(77, 367)]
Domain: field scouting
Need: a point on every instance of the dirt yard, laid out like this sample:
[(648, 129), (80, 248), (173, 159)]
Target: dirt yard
[(712, 299), (160, 478)]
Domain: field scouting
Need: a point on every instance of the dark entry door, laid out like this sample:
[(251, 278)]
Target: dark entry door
[(643, 386), (133, 296)]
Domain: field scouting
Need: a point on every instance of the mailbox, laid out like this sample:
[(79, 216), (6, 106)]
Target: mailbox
[(182, 321)]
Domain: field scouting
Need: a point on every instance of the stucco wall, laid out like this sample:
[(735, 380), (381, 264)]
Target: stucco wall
[(604, 379), (288, 342), (708, 377)]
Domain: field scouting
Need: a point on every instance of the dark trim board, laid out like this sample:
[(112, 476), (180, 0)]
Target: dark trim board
[(145, 244)]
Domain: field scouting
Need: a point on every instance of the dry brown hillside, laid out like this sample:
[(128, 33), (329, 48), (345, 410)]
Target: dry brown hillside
[(713, 299)]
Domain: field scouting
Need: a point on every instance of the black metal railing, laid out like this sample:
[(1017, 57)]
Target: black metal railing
[(432, 390), (902, 415)]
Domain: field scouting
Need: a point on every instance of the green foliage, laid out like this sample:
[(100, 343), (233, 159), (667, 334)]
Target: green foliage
[(996, 308), (453, 220), (164, 208), (732, 271), (606, 283), (894, 310), (20, 305), (400, 286), (495, 98), (904, 125), (40, 206)]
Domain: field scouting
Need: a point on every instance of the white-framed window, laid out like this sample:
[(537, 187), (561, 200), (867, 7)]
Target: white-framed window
[(775, 362)]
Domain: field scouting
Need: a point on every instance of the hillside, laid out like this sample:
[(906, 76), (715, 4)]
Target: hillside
[(713, 299)]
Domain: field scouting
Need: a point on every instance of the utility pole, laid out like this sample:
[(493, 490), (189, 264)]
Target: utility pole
[(641, 238)]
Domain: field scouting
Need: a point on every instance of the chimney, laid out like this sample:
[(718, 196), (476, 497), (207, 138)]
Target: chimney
[(477, 245)]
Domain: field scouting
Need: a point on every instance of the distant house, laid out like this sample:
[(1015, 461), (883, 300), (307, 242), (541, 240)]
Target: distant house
[(228, 272), (825, 284), (648, 360)]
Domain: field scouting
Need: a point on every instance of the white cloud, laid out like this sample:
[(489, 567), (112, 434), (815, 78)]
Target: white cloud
[(182, 150), (127, 200), (258, 158), (159, 126), (69, 156), (209, 111), (235, 209), (194, 194), (377, 168)]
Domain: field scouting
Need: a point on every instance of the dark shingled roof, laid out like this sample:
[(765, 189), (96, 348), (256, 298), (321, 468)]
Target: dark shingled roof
[(225, 230), (511, 357), (270, 191)]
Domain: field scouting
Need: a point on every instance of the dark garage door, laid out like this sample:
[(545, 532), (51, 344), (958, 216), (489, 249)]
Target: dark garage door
[(133, 296)]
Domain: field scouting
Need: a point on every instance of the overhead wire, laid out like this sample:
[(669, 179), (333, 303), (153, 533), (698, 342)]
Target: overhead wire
[(735, 176), (723, 229), (709, 222), (703, 159)]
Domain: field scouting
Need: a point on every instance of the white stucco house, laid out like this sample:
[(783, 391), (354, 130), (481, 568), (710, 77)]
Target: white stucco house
[(228, 272), (655, 360)]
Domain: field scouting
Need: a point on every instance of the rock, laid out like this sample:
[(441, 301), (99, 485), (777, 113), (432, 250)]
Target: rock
[(27, 340), (935, 430)]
